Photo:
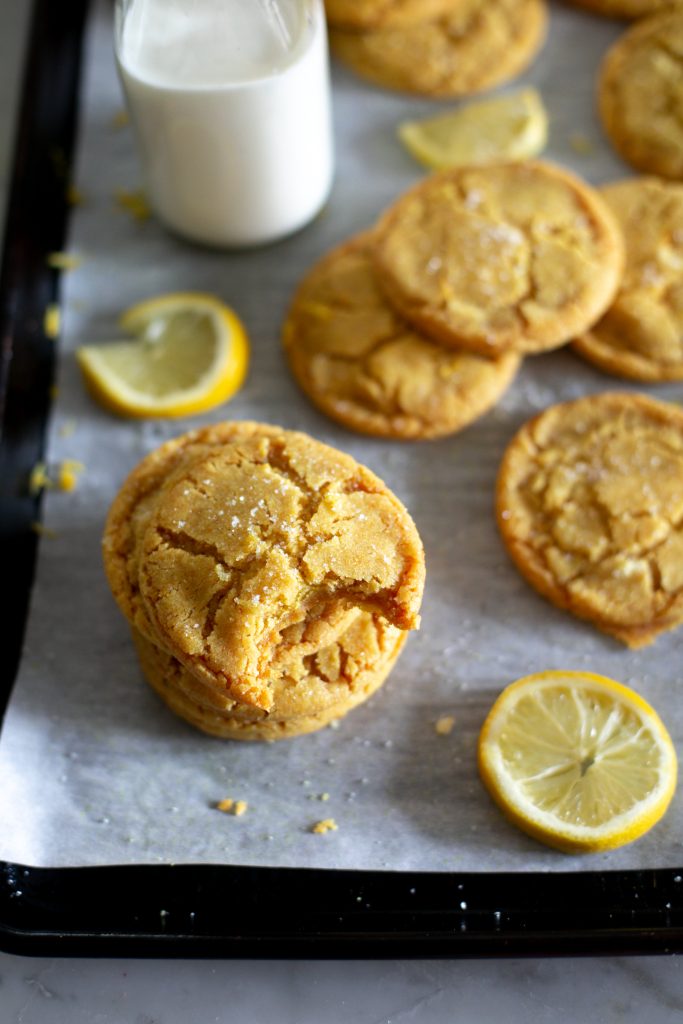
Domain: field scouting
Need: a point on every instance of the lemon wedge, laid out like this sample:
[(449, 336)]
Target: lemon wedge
[(511, 127), (577, 761), (190, 353)]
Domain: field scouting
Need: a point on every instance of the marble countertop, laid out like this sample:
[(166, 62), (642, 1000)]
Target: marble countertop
[(51, 991)]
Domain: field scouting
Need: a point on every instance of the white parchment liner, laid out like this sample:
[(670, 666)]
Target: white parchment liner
[(93, 768)]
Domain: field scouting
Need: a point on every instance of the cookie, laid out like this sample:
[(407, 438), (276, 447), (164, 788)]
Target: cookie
[(309, 684), (249, 547), (626, 8), (641, 95), (478, 44), (314, 690), (365, 367), (508, 257), (641, 335), (364, 14), (129, 517), (266, 730), (590, 508)]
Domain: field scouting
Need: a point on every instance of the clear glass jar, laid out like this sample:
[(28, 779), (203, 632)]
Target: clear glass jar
[(230, 103)]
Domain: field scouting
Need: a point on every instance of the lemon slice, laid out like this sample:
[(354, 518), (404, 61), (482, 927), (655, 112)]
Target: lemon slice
[(511, 127), (190, 354), (577, 761)]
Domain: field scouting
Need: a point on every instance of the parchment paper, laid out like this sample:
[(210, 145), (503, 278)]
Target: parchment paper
[(94, 769)]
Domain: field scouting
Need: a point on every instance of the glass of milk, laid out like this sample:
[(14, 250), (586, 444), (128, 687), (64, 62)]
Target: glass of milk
[(230, 103)]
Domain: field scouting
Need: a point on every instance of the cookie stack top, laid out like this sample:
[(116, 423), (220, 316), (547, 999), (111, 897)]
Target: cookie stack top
[(241, 549)]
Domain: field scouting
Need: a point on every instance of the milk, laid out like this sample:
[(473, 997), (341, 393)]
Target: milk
[(231, 109)]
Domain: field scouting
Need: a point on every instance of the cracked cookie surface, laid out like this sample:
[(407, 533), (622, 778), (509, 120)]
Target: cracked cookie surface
[(327, 683), (507, 257), (641, 335), (253, 542), (132, 507), (364, 14), (367, 368), (590, 508), (477, 45), (641, 95)]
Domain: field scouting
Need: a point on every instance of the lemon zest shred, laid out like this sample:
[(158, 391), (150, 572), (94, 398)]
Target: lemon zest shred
[(63, 477), (120, 119), (74, 196), (52, 321), (44, 531), (63, 261), (134, 203)]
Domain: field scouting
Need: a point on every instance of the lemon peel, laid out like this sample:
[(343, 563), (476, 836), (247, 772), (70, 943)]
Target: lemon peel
[(189, 355), (509, 127), (577, 761)]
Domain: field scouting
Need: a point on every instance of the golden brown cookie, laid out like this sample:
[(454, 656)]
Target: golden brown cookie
[(225, 726), (641, 335), (180, 691), (368, 369), (477, 45), (251, 548), (626, 8), (590, 507), (309, 683), (130, 513), (365, 14), (641, 95), (509, 257)]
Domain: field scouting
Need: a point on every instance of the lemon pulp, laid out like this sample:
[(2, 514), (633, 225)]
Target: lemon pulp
[(190, 354), (577, 760), (510, 127)]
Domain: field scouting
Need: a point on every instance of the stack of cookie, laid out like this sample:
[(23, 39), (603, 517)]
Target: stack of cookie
[(416, 327), (437, 47), (270, 581)]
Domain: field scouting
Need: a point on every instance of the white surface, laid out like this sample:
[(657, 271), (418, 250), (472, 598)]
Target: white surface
[(234, 130), (607, 991)]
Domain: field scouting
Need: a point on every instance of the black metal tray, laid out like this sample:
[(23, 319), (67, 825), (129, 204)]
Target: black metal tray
[(231, 911)]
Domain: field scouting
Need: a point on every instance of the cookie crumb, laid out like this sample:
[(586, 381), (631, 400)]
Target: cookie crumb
[(326, 825), (235, 807), (444, 725)]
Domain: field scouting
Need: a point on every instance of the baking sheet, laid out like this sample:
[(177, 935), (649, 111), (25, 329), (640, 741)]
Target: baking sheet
[(94, 770)]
